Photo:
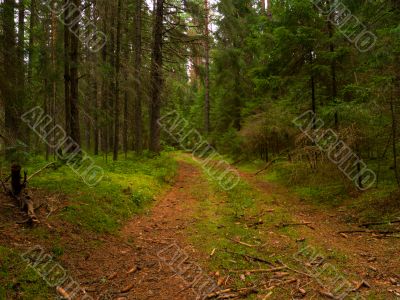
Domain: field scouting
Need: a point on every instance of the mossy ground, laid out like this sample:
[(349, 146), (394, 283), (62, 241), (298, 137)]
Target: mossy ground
[(128, 188)]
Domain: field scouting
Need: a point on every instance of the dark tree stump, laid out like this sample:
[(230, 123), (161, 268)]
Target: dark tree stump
[(18, 192)]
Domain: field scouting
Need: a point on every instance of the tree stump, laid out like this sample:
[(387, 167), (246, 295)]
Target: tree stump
[(18, 193)]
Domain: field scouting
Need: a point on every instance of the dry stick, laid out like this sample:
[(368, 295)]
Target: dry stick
[(242, 243), (40, 170), (260, 270), (266, 167), (370, 231), (251, 257), (230, 293), (379, 223), (217, 293), (294, 224)]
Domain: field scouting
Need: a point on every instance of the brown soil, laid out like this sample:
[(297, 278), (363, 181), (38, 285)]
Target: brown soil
[(371, 257), (139, 245), (101, 263)]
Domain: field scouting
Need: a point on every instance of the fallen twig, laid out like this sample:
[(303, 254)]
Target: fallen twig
[(243, 243), (379, 223), (295, 224), (217, 293), (385, 232), (40, 170), (261, 270), (251, 257)]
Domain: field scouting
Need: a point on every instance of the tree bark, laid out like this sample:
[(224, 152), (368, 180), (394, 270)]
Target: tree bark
[(31, 39), (117, 69), (21, 64), (10, 76), (156, 78), (333, 67), (67, 75), (207, 70), (137, 83), (54, 25), (75, 123)]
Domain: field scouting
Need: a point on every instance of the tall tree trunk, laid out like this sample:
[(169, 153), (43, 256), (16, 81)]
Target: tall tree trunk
[(32, 24), (31, 40), (67, 74), (313, 100), (156, 78), (333, 66), (117, 69), (104, 85), (137, 80), (46, 111), (207, 70), (126, 94), (75, 125), (10, 77), (54, 25), (312, 81), (111, 83), (21, 63)]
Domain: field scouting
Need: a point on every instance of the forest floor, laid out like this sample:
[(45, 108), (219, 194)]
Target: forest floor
[(258, 240)]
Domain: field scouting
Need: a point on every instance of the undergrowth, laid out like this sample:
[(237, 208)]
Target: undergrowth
[(326, 187), (18, 281), (128, 186)]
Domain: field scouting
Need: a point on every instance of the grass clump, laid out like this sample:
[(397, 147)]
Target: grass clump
[(18, 281), (128, 186)]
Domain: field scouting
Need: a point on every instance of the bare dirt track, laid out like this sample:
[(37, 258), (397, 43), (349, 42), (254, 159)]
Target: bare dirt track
[(128, 265), (372, 257), (105, 271)]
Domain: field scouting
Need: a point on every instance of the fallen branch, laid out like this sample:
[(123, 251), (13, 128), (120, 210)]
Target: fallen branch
[(266, 167), (295, 224), (385, 232), (243, 243), (251, 257), (41, 170), (231, 293), (217, 293), (379, 223), (261, 270)]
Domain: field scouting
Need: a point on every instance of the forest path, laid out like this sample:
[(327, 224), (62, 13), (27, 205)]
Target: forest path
[(142, 246), (163, 233), (368, 256)]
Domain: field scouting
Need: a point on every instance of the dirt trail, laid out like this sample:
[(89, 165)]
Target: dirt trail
[(371, 257), (104, 272), (127, 266)]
